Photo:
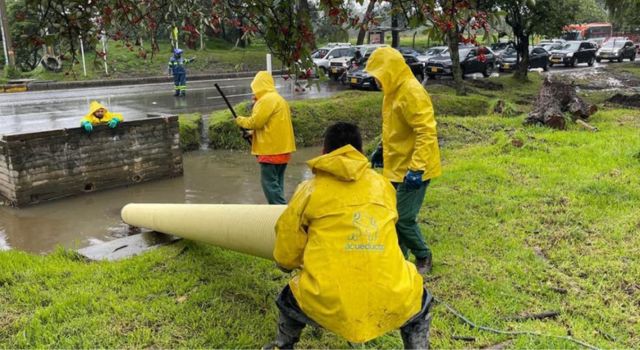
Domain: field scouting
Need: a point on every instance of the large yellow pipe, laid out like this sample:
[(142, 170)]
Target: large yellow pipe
[(246, 229)]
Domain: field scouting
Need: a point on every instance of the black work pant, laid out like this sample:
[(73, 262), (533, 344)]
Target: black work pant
[(292, 320)]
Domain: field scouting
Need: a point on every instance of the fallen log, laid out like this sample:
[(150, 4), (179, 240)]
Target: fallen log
[(554, 100)]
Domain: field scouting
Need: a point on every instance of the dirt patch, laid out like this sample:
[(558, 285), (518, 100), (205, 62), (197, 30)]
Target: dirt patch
[(625, 100), (486, 84)]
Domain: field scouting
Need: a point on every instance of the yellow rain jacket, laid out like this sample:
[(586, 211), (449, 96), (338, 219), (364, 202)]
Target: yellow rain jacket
[(270, 119), (339, 229), (94, 106), (409, 136)]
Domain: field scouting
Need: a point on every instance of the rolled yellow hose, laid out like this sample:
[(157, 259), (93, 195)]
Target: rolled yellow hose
[(248, 229)]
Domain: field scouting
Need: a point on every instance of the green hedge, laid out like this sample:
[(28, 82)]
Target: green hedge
[(310, 118), (190, 131)]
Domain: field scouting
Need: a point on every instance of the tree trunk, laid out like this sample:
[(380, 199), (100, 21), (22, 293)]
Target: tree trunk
[(365, 21), (395, 34), (6, 36), (554, 100), (452, 39), (522, 46)]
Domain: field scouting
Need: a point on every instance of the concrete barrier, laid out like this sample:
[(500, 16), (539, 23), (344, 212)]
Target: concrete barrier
[(58, 85), (43, 166)]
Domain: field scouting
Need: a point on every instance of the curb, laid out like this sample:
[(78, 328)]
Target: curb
[(10, 88), (56, 85)]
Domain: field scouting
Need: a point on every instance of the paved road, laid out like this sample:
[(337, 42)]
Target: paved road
[(56, 109)]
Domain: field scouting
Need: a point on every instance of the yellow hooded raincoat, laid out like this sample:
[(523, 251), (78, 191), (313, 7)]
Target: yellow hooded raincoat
[(409, 136), (94, 106), (339, 229), (270, 119)]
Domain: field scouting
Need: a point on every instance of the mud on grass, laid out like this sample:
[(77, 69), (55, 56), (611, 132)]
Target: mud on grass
[(524, 220)]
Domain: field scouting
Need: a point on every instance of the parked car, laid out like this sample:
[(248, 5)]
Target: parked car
[(412, 52), (538, 58), (552, 41), (433, 52), (550, 46), (573, 53), (499, 48), (417, 66), (338, 66), (472, 60), (322, 56), (359, 78), (616, 49)]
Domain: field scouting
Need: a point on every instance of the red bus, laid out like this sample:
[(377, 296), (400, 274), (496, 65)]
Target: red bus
[(597, 32)]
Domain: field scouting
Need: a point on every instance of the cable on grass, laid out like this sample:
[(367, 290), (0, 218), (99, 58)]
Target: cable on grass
[(500, 331)]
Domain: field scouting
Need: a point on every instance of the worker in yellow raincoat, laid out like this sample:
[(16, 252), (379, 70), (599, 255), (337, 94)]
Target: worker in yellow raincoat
[(339, 230), (98, 114), (272, 140), (410, 155)]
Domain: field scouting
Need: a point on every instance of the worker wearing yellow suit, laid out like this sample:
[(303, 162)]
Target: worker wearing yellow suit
[(272, 140), (410, 152), (98, 114), (339, 230)]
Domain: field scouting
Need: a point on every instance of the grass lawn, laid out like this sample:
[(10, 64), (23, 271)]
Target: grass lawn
[(524, 220)]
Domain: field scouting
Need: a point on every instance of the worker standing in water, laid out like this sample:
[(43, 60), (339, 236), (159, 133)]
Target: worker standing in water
[(177, 68), (98, 114), (410, 151), (272, 140), (339, 230)]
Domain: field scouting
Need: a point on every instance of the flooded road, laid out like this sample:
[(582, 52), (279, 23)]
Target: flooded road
[(209, 177)]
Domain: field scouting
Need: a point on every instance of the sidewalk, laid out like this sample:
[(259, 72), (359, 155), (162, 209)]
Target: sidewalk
[(61, 85)]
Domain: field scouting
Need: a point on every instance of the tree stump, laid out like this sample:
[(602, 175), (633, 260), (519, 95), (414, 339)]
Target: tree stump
[(554, 100)]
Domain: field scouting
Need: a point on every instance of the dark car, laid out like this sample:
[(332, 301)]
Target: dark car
[(472, 59), (499, 48), (538, 58), (359, 78), (616, 49), (574, 52)]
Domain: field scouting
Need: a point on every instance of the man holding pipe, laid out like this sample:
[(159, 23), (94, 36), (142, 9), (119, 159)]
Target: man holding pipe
[(273, 140), (339, 231), (410, 152)]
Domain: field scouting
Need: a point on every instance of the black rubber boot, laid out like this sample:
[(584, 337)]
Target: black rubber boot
[(289, 331), (416, 334), (177, 93)]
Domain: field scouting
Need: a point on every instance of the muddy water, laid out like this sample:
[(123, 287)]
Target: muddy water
[(209, 177)]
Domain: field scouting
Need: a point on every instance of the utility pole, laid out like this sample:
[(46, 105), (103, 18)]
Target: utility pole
[(9, 54)]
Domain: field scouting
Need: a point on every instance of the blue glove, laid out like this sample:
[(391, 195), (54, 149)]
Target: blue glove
[(113, 123), (413, 180), (376, 157), (87, 126)]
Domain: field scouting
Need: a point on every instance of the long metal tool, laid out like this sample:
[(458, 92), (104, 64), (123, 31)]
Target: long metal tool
[(245, 133)]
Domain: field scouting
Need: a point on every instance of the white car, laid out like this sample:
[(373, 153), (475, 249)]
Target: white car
[(322, 56), (337, 66)]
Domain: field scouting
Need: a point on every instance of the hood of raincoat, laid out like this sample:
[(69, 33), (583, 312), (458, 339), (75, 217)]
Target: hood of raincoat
[(94, 106), (262, 84), (345, 163), (388, 66)]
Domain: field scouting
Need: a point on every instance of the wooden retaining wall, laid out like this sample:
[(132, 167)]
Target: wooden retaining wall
[(42, 166)]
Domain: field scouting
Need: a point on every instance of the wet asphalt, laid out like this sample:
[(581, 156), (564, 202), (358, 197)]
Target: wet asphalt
[(57, 109)]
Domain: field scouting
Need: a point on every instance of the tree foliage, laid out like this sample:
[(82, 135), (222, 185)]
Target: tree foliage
[(625, 14), (529, 17)]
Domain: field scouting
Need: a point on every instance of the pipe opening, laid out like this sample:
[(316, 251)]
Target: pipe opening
[(89, 187)]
